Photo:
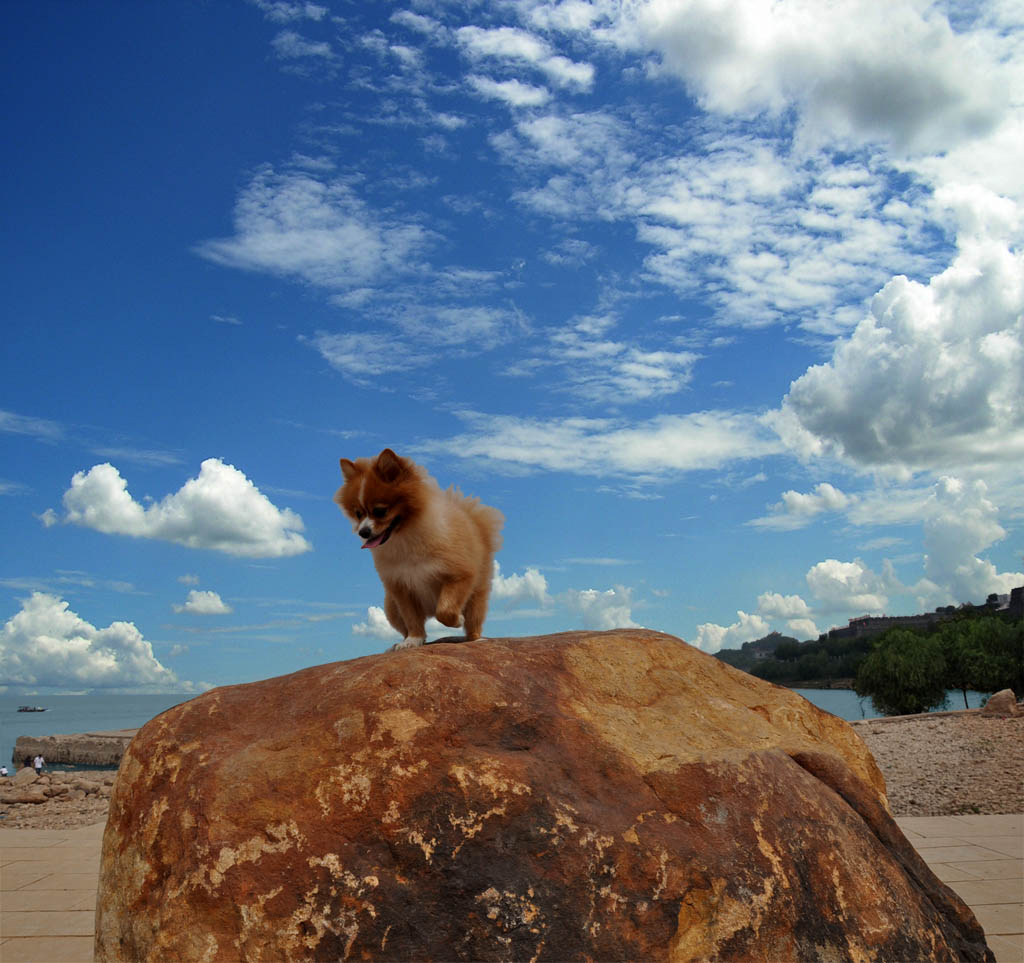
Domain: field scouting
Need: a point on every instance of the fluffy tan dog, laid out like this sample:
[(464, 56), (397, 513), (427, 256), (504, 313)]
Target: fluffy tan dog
[(433, 549)]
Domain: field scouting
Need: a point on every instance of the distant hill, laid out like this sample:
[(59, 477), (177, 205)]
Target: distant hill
[(833, 658), (752, 652)]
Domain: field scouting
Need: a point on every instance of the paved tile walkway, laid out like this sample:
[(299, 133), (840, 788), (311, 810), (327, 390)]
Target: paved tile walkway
[(982, 858), (48, 883), (48, 894)]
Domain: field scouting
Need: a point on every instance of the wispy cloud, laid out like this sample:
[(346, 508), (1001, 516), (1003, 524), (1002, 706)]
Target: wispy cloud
[(513, 45), (41, 428), (319, 231), (282, 11), (513, 92), (139, 456), (656, 448)]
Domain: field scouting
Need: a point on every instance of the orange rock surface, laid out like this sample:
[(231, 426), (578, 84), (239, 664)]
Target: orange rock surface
[(583, 796)]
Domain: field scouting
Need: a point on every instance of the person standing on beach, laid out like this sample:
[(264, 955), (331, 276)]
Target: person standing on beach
[(39, 762)]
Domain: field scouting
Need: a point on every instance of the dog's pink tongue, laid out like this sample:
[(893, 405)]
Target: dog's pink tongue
[(373, 542)]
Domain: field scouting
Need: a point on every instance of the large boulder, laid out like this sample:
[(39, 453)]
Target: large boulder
[(584, 796), (1002, 704)]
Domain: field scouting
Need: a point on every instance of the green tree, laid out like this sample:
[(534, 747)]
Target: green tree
[(954, 637), (904, 673), (992, 654), (788, 651)]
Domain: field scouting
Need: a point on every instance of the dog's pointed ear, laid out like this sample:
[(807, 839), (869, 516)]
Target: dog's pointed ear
[(389, 467), (348, 468)]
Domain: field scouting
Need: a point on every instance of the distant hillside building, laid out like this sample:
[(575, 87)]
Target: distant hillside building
[(1016, 604), (867, 625)]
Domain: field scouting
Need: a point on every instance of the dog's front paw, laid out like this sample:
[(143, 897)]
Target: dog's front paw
[(453, 620), (410, 642)]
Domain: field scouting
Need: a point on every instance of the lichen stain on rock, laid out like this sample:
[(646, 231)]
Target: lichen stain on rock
[(602, 796), (400, 724)]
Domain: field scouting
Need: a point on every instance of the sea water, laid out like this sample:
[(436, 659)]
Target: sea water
[(846, 704), (67, 714)]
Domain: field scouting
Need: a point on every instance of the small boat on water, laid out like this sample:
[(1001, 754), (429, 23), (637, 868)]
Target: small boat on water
[(31, 709)]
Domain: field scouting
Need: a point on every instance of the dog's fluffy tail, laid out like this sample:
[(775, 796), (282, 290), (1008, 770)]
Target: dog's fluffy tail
[(489, 521)]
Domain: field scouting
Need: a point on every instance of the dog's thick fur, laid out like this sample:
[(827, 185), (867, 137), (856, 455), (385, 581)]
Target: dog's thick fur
[(433, 549)]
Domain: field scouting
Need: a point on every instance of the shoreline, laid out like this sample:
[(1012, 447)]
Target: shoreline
[(948, 763)]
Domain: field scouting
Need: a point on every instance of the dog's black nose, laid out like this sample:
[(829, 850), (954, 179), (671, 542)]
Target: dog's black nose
[(365, 532)]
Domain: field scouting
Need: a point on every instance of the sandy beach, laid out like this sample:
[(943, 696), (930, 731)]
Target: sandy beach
[(949, 764)]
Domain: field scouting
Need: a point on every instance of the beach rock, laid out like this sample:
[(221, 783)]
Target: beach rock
[(31, 796), (25, 776), (589, 795), (1002, 704)]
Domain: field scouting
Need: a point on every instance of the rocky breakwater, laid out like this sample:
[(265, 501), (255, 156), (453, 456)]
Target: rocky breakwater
[(603, 796), (54, 799), (76, 749)]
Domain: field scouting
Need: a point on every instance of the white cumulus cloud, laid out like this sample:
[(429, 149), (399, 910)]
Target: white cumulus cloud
[(746, 628), (204, 603), (848, 586), (796, 509), (515, 590), (377, 626), (895, 73), (46, 644), (776, 606), (933, 377), (610, 609), (803, 628), (220, 510), (964, 523)]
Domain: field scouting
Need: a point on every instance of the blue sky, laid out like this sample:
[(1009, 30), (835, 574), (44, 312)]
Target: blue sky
[(719, 301)]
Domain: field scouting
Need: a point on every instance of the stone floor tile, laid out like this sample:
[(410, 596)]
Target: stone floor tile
[(18, 875), (35, 838), (932, 825), (67, 949), (55, 923), (1006, 919), (58, 881), (1008, 949), (1012, 846), (1008, 824), (992, 869), (954, 872), (63, 863), (955, 854), (46, 900), (979, 892)]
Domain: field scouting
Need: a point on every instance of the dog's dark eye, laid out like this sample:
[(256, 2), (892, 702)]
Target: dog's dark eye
[(380, 511), (359, 514)]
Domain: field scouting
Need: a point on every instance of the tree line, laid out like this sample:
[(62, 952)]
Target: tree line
[(908, 671), (902, 670)]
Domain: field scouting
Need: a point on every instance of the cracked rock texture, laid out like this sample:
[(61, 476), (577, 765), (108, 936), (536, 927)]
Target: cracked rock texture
[(583, 796)]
